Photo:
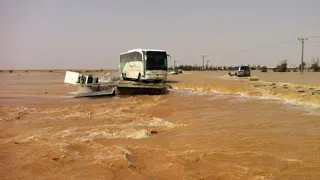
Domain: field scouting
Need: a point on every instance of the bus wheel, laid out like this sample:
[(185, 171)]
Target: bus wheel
[(139, 77), (124, 76)]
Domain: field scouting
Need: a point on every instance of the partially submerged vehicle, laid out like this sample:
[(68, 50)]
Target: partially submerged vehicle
[(176, 71), (78, 78), (240, 71), (110, 85), (148, 66), (99, 89), (144, 65), (89, 85)]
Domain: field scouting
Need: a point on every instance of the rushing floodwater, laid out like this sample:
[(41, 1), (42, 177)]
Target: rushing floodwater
[(185, 134)]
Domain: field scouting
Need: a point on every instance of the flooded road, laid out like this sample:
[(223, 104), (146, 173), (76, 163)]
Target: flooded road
[(202, 129)]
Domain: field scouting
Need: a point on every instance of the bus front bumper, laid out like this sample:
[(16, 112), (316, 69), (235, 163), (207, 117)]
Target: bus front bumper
[(155, 77)]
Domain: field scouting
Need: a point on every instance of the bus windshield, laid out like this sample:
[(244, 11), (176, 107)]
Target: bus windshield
[(235, 68), (156, 60), (245, 68)]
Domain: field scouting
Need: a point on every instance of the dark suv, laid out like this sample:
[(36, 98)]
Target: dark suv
[(240, 71)]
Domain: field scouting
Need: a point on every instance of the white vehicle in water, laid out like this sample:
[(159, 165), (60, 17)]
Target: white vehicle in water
[(240, 71), (144, 65), (77, 78)]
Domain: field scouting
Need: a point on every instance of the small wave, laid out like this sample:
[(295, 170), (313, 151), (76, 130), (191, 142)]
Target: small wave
[(132, 130), (31, 138), (292, 102), (123, 134), (73, 115), (198, 92), (154, 122), (138, 134), (312, 106), (114, 157)]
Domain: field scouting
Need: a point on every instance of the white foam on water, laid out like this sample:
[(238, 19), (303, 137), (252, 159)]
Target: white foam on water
[(106, 112), (122, 114), (102, 133), (31, 138), (312, 109), (159, 122), (299, 161), (63, 147), (130, 130), (154, 122), (76, 114), (205, 92), (123, 134), (198, 91), (115, 157), (284, 100), (235, 100), (73, 93), (67, 132), (138, 134)]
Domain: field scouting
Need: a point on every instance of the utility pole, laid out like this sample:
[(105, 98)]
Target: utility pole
[(302, 42), (174, 65), (203, 56), (207, 64), (168, 58)]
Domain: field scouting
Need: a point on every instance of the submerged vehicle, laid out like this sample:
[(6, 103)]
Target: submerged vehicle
[(144, 65), (77, 78), (176, 71), (89, 85), (240, 71)]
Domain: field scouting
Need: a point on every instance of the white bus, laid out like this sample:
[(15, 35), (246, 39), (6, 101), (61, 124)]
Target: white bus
[(144, 65)]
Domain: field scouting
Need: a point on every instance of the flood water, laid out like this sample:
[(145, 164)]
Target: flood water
[(189, 133)]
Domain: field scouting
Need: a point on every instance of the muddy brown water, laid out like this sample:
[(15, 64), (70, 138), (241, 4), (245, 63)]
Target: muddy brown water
[(193, 132)]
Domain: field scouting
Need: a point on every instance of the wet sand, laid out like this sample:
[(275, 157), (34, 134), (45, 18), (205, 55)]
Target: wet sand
[(209, 126)]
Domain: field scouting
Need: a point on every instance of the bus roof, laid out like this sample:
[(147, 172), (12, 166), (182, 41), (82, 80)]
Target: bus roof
[(140, 50)]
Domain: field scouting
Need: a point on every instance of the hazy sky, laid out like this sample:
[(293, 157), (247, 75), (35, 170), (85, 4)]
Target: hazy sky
[(91, 34)]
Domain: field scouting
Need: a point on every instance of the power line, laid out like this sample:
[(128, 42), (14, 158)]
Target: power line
[(313, 42), (268, 46), (313, 37), (261, 47)]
